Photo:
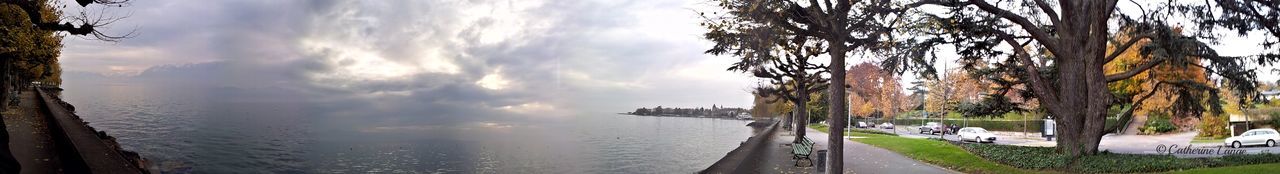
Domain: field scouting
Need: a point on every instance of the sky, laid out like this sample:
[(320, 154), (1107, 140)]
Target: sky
[(528, 57), (520, 56)]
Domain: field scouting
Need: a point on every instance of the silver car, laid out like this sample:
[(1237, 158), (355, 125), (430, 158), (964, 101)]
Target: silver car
[(1267, 137), (886, 125), (931, 128), (976, 134)]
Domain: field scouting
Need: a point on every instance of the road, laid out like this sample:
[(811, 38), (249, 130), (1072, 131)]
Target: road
[(1005, 138), (1161, 144)]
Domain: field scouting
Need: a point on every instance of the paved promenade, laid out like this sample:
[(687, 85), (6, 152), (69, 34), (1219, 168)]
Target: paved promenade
[(29, 136), (859, 158)]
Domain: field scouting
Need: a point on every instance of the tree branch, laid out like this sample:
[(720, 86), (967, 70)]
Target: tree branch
[(1116, 53), (1053, 15), (1134, 71), (1045, 39), (1047, 97)]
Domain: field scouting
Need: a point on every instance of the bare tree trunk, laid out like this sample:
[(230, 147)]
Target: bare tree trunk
[(802, 110)]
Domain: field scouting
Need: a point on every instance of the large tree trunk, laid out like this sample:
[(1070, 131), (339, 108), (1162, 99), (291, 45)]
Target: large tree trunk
[(838, 108), (1082, 91)]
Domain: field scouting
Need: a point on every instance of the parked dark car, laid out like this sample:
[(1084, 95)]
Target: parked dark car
[(931, 128)]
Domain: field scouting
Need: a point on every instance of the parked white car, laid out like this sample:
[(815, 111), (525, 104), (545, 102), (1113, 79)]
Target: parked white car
[(1268, 137), (862, 125), (976, 134)]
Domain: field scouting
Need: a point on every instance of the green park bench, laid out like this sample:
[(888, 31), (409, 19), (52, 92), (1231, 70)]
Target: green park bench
[(801, 150)]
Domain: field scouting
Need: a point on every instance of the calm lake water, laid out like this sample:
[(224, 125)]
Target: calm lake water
[(226, 130)]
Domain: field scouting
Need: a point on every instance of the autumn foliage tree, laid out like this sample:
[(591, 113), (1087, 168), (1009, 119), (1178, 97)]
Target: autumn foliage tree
[(1176, 89), (873, 91), (1059, 50), (23, 52), (957, 87)]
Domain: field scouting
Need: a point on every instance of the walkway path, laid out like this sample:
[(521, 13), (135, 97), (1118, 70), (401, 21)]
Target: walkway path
[(859, 158), (29, 136)]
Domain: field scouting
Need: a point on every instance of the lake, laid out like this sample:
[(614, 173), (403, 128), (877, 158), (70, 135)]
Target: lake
[(232, 130)]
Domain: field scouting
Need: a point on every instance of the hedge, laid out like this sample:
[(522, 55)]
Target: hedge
[(991, 125), (1044, 158)]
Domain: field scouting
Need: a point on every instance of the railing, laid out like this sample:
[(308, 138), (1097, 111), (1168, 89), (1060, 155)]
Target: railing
[(80, 148)]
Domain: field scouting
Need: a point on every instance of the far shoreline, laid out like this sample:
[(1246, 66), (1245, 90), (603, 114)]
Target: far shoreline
[(687, 116)]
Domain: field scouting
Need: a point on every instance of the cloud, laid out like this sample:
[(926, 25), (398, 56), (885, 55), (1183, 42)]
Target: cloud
[(427, 61), (494, 81)]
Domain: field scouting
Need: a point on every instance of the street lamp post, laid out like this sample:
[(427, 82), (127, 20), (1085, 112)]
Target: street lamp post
[(848, 119)]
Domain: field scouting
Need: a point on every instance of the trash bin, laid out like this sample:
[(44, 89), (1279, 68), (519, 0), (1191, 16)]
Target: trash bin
[(821, 161)]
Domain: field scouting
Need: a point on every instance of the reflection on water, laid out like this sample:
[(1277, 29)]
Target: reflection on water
[(230, 131)]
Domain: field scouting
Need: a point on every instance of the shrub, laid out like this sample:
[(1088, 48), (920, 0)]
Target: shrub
[(1158, 122), (1132, 163), (1275, 120), (873, 132), (1045, 158), (1235, 160), (1019, 156), (1214, 126)]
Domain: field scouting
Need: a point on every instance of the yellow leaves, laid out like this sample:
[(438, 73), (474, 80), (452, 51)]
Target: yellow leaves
[(1230, 104), (31, 51), (1144, 82), (860, 106)]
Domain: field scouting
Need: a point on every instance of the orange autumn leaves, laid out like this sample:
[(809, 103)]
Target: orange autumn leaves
[(874, 92)]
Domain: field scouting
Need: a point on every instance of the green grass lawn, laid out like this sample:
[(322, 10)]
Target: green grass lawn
[(934, 152), (1256, 168), (991, 158)]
